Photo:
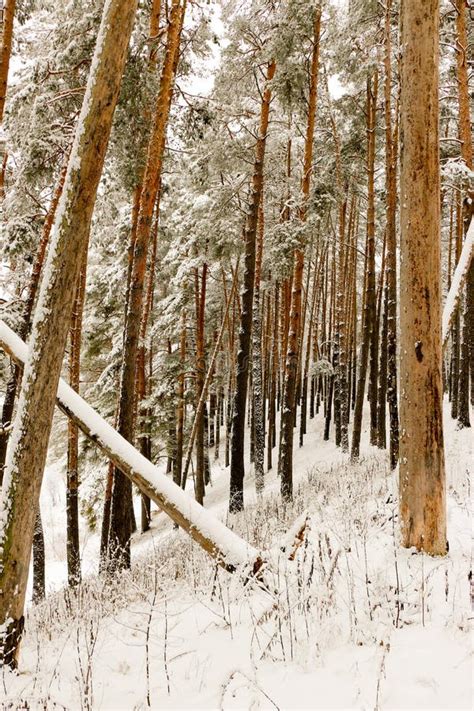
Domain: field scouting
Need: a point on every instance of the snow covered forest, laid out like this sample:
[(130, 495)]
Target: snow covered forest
[(236, 354)]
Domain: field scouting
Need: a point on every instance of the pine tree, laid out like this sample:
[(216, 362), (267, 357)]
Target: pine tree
[(25, 464), (237, 467), (121, 508), (285, 464), (422, 472)]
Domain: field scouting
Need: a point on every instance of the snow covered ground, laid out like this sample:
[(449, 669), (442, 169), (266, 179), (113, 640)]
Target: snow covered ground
[(353, 622)]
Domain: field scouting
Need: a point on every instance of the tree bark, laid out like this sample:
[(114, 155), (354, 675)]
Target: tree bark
[(369, 295), (391, 159), (422, 470), (200, 372), (257, 377), (143, 355), (382, 389), (8, 15), (39, 581), (374, 311), (72, 483), (120, 518), (313, 326), (465, 135), (181, 407), (237, 466), (285, 463)]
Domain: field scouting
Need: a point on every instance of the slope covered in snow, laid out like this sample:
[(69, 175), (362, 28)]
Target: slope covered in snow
[(352, 622)]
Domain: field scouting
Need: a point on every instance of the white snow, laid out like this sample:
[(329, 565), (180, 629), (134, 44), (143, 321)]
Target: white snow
[(359, 623)]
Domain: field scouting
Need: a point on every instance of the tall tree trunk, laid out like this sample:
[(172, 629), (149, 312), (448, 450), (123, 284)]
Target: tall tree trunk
[(273, 381), (39, 578), (285, 462), (237, 465), (32, 426), (8, 15), (341, 415), (72, 484), (466, 366), (465, 346), (456, 326), (257, 379), (422, 471), (330, 350), (199, 380), (382, 390), (120, 518), (374, 330), (104, 531), (154, 28), (181, 407), (313, 325), (142, 380), (391, 159), (200, 404), (470, 324), (465, 133), (369, 295)]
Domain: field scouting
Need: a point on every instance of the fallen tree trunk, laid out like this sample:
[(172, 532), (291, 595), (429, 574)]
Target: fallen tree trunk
[(455, 292), (229, 550)]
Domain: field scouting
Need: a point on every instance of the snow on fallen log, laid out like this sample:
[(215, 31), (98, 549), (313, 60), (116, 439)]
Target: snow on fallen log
[(229, 550), (457, 283)]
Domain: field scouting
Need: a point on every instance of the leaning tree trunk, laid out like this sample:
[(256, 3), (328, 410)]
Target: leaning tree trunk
[(228, 549), (422, 470), (32, 426), (237, 465), (120, 515)]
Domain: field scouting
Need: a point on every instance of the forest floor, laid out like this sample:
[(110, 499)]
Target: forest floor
[(353, 622)]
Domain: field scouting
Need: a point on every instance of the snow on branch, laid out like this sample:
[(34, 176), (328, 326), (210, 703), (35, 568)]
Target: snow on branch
[(457, 283), (230, 551)]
